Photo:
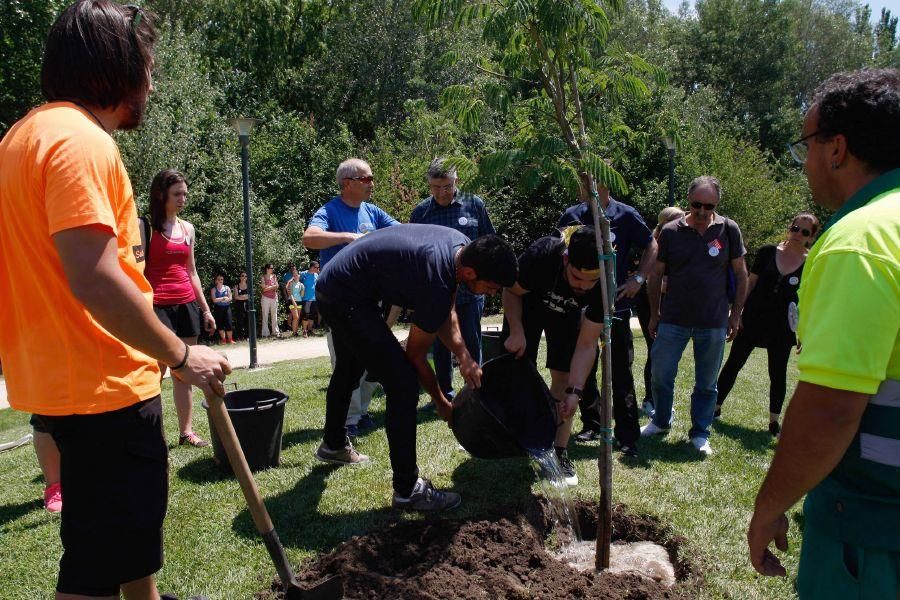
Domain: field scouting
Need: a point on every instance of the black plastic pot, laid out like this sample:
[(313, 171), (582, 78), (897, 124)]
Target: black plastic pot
[(491, 346), (258, 419), (511, 414)]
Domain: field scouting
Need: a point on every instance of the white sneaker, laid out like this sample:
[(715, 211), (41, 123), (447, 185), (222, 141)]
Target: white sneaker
[(702, 446), (651, 429)]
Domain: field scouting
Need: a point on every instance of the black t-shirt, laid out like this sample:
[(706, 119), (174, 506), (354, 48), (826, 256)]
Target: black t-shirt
[(697, 271), (765, 315), (412, 266), (627, 229), (542, 273)]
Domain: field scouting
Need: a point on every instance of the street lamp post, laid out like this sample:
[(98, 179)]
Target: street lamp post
[(670, 147), (243, 127)]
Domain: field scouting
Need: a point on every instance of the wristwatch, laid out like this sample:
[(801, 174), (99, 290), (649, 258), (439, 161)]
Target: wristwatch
[(639, 278), (575, 391)]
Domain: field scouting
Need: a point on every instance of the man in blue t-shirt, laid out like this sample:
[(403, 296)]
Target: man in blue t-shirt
[(417, 267), (342, 220), (467, 214), (628, 232), (309, 278)]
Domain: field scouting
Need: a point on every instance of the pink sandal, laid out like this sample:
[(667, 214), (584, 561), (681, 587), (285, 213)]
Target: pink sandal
[(193, 439)]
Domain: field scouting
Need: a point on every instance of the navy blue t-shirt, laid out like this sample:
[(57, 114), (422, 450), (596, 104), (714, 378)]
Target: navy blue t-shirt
[(412, 266), (627, 231)]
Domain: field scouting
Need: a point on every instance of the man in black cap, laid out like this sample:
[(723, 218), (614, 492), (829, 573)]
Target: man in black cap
[(417, 267)]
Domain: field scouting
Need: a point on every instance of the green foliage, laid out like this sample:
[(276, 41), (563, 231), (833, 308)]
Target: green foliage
[(23, 29), (552, 67)]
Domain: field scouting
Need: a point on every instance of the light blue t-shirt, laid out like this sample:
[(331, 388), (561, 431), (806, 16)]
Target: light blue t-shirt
[(309, 285), (337, 217)]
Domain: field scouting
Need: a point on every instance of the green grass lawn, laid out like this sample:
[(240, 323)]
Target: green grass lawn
[(212, 548)]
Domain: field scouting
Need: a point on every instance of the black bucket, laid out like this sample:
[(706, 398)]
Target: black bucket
[(510, 413), (491, 346), (258, 419)]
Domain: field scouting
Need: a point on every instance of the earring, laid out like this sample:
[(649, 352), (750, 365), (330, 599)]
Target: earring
[(834, 166)]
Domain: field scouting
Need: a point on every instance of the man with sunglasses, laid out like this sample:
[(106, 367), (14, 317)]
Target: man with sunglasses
[(695, 253), (840, 442), (342, 220)]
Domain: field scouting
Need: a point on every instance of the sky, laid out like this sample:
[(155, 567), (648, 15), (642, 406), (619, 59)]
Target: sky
[(876, 5)]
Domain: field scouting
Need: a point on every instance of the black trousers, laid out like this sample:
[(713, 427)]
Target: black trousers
[(240, 319), (778, 355), (642, 309), (364, 342), (625, 409)]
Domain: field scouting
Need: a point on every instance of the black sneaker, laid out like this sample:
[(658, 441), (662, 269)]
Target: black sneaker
[(774, 428), (718, 412), (426, 498), (342, 456), (587, 435), (629, 451), (366, 423), (566, 466)]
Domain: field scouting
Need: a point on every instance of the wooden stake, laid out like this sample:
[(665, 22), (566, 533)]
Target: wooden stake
[(608, 289)]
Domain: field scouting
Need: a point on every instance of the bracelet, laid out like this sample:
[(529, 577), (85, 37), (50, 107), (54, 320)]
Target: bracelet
[(575, 391), (207, 312), (187, 353)]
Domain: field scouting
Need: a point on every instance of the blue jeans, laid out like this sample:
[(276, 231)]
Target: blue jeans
[(669, 345), (469, 317)]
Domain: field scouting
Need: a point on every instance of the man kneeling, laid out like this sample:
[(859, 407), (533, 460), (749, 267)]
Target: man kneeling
[(417, 267)]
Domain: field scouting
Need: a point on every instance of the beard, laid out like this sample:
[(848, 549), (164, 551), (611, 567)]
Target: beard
[(137, 106)]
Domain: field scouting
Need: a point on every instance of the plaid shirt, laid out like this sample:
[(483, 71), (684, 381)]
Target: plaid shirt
[(466, 214)]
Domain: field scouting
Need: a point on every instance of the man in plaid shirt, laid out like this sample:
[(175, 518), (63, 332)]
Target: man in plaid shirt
[(467, 214)]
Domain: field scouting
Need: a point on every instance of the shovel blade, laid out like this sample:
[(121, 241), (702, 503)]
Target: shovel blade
[(330, 589)]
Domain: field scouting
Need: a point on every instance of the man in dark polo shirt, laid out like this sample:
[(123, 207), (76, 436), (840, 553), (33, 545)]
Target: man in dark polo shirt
[(628, 232), (467, 214), (695, 252), (417, 267)]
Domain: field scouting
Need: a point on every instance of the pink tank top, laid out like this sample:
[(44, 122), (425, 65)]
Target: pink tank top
[(167, 268), (270, 281)]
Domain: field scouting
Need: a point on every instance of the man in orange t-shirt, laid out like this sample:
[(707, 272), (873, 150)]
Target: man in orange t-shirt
[(71, 262)]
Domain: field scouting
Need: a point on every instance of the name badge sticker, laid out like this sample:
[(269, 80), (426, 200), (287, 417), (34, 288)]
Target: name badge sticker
[(463, 221), (713, 251)]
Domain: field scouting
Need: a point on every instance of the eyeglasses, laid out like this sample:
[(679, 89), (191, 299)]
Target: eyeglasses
[(800, 149), (796, 228), (363, 179), (699, 205)]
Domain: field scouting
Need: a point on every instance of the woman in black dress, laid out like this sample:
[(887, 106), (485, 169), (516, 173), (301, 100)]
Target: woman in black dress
[(241, 295), (767, 320)]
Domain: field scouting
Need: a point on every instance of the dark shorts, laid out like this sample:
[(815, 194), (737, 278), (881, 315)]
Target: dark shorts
[(561, 330), (37, 423), (115, 471), (222, 315), (310, 310), (182, 319)]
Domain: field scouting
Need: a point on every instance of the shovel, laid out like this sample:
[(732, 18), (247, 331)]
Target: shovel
[(330, 589)]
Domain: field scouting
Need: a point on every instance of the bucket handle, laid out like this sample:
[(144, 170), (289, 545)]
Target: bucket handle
[(268, 404)]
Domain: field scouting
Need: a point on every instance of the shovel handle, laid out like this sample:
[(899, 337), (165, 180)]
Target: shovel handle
[(222, 422)]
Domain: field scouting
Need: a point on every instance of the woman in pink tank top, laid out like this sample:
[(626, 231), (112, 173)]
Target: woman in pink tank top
[(178, 298)]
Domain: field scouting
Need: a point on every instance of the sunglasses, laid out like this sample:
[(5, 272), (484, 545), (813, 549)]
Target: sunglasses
[(363, 179), (796, 228), (699, 205)]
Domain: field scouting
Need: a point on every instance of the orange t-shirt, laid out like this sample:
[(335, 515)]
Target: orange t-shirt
[(59, 170)]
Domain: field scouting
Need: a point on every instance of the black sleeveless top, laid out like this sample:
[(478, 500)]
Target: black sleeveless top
[(765, 315)]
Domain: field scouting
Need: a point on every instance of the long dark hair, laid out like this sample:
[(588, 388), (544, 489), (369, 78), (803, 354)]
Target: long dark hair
[(159, 191), (99, 52)]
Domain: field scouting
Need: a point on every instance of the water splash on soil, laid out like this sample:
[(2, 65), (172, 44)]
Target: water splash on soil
[(556, 491)]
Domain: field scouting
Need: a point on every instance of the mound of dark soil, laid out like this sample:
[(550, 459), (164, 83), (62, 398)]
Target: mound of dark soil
[(503, 557)]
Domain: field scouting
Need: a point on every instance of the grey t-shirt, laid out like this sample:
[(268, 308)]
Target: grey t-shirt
[(697, 272)]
